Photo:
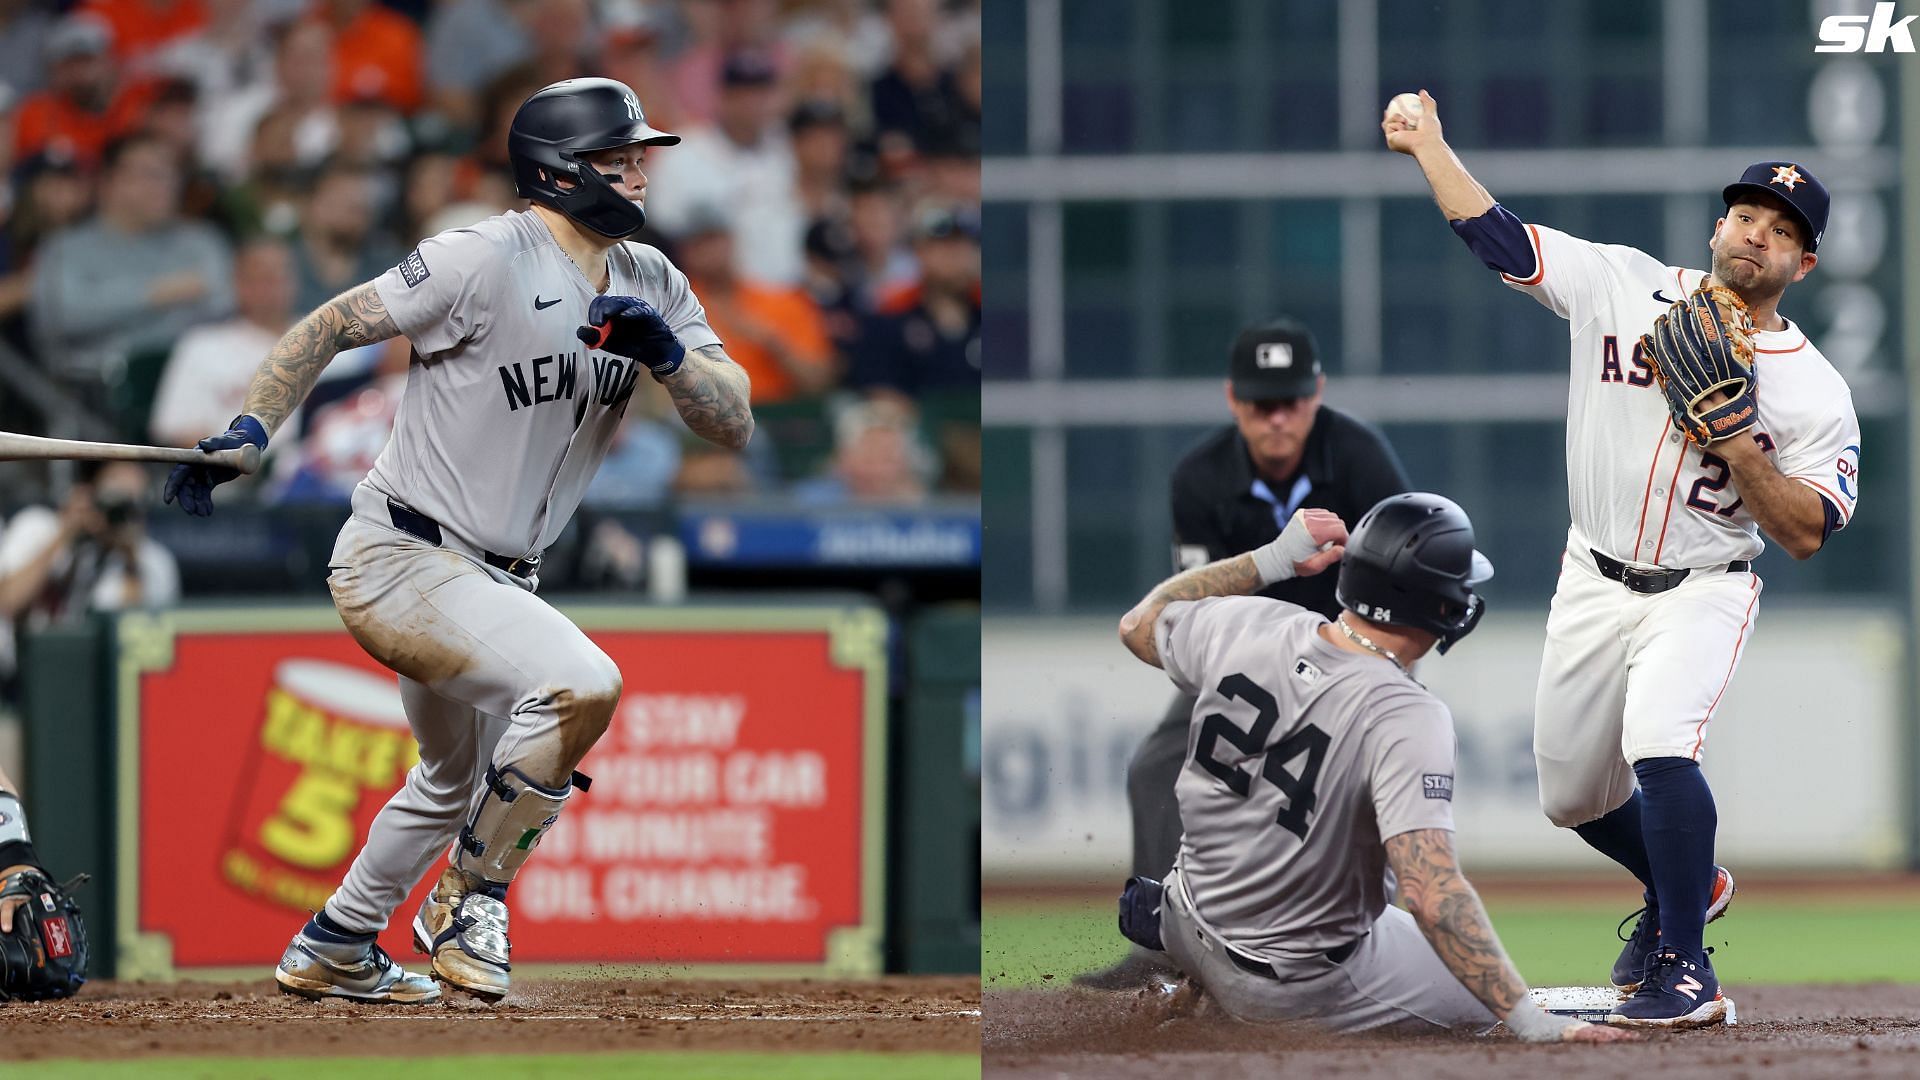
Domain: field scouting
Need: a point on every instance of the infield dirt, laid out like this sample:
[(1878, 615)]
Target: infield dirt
[(1870, 1031), (253, 1019)]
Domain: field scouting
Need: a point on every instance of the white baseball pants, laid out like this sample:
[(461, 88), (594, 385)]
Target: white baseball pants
[(1628, 676)]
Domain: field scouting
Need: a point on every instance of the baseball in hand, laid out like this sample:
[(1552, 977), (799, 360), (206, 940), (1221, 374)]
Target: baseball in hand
[(1408, 108)]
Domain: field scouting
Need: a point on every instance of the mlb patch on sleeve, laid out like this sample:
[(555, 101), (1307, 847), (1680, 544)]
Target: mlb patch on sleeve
[(414, 268), (1437, 786)]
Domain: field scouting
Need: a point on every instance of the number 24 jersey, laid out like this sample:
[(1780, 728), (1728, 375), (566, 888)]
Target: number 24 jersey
[(1303, 758)]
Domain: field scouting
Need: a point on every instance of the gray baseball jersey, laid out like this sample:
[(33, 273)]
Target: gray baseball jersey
[(1302, 759), (506, 413)]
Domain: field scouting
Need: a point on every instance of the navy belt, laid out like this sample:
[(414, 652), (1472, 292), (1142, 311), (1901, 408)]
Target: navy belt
[(1265, 970), (1652, 581), (417, 524)]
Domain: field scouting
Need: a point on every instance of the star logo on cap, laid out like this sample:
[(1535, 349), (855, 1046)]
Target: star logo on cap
[(1787, 176)]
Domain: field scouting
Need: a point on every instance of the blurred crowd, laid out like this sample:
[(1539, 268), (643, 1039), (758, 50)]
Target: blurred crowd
[(181, 180)]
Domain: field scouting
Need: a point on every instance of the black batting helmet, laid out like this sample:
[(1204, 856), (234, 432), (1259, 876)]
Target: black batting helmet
[(570, 118), (1411, 562)]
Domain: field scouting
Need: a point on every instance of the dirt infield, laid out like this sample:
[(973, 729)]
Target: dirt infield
[(1784, 1031), (124, 1020)]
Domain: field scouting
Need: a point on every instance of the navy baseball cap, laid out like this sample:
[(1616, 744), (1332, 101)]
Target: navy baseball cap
[(1275, 360), (1804, 195)]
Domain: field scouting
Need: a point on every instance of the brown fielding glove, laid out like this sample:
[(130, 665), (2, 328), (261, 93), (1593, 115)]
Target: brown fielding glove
[(1702, 344)]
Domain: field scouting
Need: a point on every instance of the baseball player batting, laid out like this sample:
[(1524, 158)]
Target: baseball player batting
[(528, 331), (1315, 763), (1675, 465)]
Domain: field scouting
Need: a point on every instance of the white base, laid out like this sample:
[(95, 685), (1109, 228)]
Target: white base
[(1594, 1003)]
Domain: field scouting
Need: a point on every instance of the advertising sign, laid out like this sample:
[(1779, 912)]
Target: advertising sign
[(734, 815)]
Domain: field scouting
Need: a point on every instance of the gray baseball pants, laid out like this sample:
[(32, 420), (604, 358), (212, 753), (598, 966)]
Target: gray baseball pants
[(1392, 980), (489, 673)]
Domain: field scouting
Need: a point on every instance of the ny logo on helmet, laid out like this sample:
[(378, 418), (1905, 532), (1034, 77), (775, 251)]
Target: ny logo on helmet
[(633, 107)]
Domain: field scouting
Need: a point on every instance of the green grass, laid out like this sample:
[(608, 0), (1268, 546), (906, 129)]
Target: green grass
[(1552, 943), (678, 1065)]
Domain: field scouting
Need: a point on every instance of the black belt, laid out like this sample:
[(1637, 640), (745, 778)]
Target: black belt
[(424, 527), (1652, 581), (1265, 970)]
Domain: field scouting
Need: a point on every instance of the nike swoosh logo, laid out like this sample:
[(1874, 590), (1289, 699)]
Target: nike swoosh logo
[(1663, 299), (538, 306)]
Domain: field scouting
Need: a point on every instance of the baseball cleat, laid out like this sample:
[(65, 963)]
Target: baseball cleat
[(1646, 933), (465, 932), (360, 971), (1676, 993), (1138, 970)]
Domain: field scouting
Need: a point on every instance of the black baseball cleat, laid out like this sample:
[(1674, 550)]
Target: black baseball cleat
[(1646, 933), (1676, 993), (1139, 970)]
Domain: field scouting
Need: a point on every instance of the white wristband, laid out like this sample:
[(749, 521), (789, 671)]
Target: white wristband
[(1533, 1024), (1275, 560)]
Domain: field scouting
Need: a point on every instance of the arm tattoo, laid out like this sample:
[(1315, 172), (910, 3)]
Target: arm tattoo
[(1450, 914), (354, 318), (711, 393), (1236, 576)]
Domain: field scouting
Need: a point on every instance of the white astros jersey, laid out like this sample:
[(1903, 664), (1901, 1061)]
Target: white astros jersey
[(506, 414), (1637, 490), (1302, 759)]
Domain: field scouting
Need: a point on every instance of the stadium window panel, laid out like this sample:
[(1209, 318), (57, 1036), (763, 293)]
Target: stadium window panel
[(1202, 234), (1208, 27), (1517, 111), (1314, 26), (1003, 73), (1197, 337), (1623, 110), (1006, 517), (1412, 22), (1305, 113), (1512, 21), (1200, 114), (1614, 22), (1097, 118), (1004, 328), (1097, 237), (1104, 479)]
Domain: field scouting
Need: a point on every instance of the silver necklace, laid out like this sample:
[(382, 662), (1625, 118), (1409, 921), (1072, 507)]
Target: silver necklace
[(1366, 642)]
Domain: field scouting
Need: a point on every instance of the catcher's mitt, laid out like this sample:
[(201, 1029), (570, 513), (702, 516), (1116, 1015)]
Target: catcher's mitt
[(1702, 344), (45, 955)]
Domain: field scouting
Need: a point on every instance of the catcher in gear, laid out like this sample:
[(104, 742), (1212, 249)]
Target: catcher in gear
[(1676, 465), (43, 941)]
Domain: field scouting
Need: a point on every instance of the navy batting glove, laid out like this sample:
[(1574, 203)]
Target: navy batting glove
[(192, 485), (629, 326)]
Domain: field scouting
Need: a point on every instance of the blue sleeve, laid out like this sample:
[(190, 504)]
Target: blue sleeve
[(1499, 240)]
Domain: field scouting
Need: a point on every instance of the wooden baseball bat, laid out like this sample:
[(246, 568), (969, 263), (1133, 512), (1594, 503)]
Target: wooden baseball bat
[(14, 447)]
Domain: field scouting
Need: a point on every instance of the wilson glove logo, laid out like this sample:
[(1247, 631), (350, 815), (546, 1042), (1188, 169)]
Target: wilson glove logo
[(1866, 33)]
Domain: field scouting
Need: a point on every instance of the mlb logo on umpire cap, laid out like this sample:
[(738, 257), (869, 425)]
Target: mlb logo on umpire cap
[(1790, 182), (1273, 361), (1273, 354)]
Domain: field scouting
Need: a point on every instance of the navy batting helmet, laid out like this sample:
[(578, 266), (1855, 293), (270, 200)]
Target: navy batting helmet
[(560, 122), (1411, 562)]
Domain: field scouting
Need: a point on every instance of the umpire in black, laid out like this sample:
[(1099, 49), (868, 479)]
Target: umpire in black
[(1233, 492)]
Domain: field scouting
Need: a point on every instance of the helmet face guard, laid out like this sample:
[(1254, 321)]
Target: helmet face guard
[(1476, 607), (558, 124)]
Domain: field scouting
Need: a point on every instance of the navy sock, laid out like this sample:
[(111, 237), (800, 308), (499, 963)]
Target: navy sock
[(1618, 834), (322, 928), (1679, 820)]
